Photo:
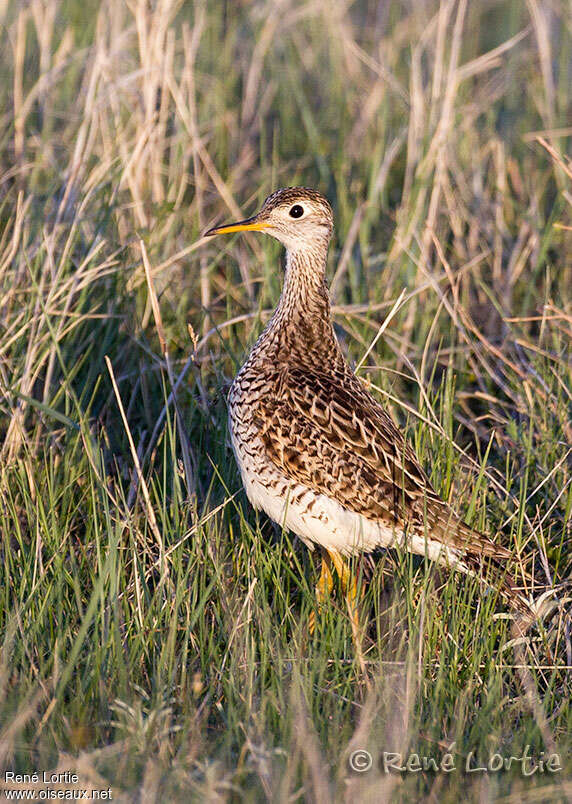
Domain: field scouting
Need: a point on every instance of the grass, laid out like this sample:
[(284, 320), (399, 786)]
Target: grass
[(153, 626)]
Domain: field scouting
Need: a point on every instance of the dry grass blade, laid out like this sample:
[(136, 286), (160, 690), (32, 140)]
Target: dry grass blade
[(139, 472), (187, 462)]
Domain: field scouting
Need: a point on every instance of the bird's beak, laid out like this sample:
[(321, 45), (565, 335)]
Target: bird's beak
[(248, 225)]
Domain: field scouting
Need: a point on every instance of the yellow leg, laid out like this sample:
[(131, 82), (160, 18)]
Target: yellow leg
[(323, 589), (349, 588)]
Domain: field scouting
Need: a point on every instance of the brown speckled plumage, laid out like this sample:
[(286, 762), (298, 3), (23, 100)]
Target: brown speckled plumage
[(316, 451)]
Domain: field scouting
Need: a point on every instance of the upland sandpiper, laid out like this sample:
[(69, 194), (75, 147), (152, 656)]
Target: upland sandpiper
[(316, 451)]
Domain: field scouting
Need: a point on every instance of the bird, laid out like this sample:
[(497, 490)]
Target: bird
[(316, 451)]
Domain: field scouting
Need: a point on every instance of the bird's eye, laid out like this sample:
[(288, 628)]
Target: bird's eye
[(296, 211)]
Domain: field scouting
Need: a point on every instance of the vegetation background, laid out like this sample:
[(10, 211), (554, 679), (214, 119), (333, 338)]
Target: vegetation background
[(153, 627)]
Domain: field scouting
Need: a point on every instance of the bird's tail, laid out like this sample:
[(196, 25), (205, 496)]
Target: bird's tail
[(477, 555), (529, 602)]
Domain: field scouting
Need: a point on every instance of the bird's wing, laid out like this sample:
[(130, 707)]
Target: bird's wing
[(326, 431)]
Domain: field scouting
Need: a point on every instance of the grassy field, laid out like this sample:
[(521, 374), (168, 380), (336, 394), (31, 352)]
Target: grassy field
[(153, 627)]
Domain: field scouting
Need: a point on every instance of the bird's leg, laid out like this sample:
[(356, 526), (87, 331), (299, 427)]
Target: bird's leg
[(323, 588), (325, 581), (350, 590)]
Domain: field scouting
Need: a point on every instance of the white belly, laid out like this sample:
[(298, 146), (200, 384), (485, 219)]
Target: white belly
[(318, 519)]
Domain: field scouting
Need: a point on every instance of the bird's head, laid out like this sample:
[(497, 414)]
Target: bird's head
[(300, 218)]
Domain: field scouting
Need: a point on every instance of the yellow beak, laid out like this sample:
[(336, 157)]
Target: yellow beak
[(248, 225)]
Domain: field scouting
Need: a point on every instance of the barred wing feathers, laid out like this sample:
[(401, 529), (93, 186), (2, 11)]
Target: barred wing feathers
[(326, 431)]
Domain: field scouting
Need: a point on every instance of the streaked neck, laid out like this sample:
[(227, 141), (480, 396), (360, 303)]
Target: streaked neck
[(302, 320)]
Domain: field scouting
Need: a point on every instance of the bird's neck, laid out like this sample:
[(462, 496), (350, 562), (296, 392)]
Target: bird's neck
[(302, 323)]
